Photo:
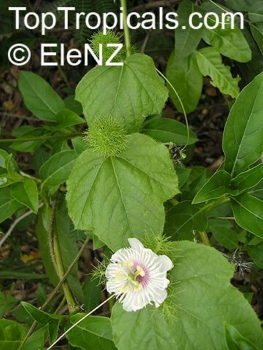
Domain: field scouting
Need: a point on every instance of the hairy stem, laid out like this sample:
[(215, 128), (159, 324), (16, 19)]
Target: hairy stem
[(126, 28)]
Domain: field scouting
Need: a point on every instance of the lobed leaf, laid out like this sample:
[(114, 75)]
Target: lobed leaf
[(200, 301), (120, 197), (133, 91)]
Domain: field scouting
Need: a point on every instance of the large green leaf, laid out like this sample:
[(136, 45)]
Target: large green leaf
[(129, 92), (169, 130), (248, 213), (243, 134), (186, 79), (210, 63), (120, 197), (187, 38), (39, 97), (200, 301), (11, 334), (92, 333)]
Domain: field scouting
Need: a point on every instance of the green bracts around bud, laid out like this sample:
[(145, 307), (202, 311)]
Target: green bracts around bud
[(106, 136), (106, 40)]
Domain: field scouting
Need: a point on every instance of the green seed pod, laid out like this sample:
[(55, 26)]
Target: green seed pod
[(106, 136), (104, 39)]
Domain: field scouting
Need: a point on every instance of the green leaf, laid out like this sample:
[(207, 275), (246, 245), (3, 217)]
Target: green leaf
[(68, 248), (230, 42), (216, 187), (29, 138), (66, 118), (183, 218), (187, 38), (239, 5), (11, 334), (248, 179), (3, 156), (39, 97), (39, 315), (7, 302), (210, 63), (248, 213), (44, 318), (256, 253), (186, 79), (26, 193), (55, 171), (37, 339), (92, 333), (235, 341), (133, 91), (121, 197), (8, 205), (169, 130), (92, 293), (257, 32), (223, 232), (243, 134), (200, 299), (255, 15)]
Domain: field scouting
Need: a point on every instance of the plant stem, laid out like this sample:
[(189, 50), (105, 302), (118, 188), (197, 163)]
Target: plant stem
[(54, 292), (126, 28), (57, 258), (60, 270), (37, 138), (204, 237)]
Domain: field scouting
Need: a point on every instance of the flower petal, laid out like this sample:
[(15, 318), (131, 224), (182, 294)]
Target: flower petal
[(135, 244), (165, 263)]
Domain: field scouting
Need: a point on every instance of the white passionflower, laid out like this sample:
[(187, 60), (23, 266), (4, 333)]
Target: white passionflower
[(137, 276)]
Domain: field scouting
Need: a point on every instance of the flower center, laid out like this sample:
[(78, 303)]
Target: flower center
[(133, 275)]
